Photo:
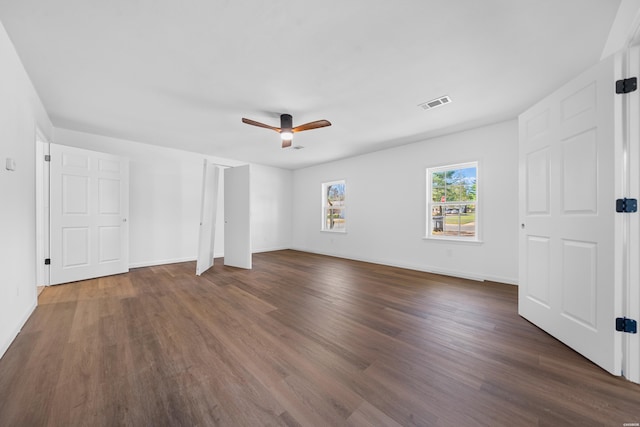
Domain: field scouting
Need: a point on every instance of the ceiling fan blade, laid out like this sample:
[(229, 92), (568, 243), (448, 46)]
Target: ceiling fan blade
[(286, 143), (312, 125), (262, 125)]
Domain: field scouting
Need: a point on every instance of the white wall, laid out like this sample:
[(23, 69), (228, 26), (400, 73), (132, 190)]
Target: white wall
[(165, 196), (386, 206), (21, 112), (271, 205), (623, 31)]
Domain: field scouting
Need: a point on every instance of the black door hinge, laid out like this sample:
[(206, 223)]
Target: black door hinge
[(47, 157), (626, 325), (47, 261), (626, 85), (626, 205)]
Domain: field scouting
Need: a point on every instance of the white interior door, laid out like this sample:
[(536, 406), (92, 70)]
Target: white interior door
[(210, 185), (568, 178), (89, 210), (237, 217)]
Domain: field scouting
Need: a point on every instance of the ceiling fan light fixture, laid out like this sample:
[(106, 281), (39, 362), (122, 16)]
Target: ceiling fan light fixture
[(286, 135)]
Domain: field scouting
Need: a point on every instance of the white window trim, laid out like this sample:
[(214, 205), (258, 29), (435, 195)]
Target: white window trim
[(344, 209), (478, 203)]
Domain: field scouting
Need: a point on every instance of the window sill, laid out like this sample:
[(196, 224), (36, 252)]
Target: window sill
[(334, 231), (453, 240)]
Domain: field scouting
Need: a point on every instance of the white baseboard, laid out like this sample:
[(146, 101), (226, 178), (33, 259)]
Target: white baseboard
[(423, 268), (4, 346), (152, 263), (272, 249)]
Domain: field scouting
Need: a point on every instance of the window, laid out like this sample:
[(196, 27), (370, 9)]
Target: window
[(452, 200), (333, 206)]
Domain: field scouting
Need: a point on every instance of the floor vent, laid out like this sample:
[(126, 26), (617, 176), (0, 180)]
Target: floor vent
[(435, 103)]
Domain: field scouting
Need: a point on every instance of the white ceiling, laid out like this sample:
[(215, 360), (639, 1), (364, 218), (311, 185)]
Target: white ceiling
[(182, 74)]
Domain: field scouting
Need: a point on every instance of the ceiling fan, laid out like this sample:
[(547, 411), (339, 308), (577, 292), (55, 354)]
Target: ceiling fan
[(286, 129)]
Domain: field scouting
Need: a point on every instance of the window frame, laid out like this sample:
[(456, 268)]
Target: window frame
[(325, 207), (430, 203)]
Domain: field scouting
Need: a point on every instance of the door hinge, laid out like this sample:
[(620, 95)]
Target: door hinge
[(626, 85), (626, 205), (47, 261), (47, 157), (626, 325)]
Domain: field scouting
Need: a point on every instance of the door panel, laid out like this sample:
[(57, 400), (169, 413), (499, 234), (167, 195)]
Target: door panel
[(567, 238), (109, 244), (538, 277), (579, 282), (580, 180), (75, 247), (237, 218), (89, 211), (537, 165), (208, 216), (109, 194)]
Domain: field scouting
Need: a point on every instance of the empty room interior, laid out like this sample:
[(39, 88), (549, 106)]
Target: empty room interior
[(319, 214)]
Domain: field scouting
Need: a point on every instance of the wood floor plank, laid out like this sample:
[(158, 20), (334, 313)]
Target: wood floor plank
[(368, 415), (299, 340)]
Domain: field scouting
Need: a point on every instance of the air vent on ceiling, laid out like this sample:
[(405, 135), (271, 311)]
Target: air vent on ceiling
[(435, 103)]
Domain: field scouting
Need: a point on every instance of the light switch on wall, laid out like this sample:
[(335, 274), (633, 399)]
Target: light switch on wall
[(10, 164)]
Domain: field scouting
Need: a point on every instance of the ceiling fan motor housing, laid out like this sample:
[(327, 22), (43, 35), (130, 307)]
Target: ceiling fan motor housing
[(286, 122)]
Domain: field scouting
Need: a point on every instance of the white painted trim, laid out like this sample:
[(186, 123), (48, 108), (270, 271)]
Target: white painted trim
[(23, 320), (452, 240), (423, 268), (189, 259), (271, 249), (42, 207), (629, 127), (160, 262), (625, 30)]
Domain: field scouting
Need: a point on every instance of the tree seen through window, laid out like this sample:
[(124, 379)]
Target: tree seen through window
[(453, 201), (334, 209)]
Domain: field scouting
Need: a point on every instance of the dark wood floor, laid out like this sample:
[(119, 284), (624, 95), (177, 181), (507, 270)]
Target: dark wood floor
[(299, 340)]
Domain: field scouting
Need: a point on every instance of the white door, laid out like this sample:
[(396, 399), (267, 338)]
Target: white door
[(209, 208), (568, 179), (237, 218), (89, 210)]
